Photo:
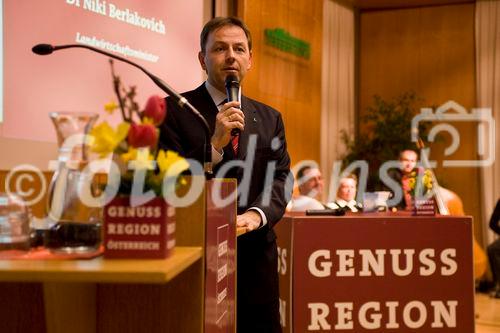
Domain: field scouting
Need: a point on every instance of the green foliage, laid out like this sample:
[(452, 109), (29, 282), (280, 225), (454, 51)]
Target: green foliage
[(386, 131)]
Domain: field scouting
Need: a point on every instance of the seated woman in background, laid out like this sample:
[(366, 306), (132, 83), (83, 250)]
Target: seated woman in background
[(346, 195)]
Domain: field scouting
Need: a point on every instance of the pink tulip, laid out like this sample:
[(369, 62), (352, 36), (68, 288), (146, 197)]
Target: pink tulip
[(144, 135), (155, 109)]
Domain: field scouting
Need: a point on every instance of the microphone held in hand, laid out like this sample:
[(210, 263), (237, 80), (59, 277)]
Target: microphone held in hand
[(233, 94)]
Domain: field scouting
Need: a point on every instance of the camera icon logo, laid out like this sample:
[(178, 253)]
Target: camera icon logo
[(485, 131)]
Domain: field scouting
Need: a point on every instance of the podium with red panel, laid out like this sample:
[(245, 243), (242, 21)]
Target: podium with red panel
[(376, 273), (191, 291)]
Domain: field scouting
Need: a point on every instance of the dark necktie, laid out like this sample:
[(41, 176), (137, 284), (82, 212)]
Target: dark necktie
[(235, 143), (235, 139)]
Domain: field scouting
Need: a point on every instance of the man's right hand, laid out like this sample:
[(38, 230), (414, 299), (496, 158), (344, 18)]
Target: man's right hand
[(229, 117)]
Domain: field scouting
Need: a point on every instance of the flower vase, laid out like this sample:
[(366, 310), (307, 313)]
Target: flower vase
[(74, 227)]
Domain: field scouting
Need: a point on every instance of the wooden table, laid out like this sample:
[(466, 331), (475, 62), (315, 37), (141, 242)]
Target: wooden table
[(76, 291)]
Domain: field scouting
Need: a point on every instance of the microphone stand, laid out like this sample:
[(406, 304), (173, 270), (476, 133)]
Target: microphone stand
[(45, 49)]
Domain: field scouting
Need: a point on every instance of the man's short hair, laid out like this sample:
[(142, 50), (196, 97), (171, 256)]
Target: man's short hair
[(407, 150), (302, 171), (219, 22)]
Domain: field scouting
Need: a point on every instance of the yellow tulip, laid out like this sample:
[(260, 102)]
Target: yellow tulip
[(143, 160), (110, 107), (130, 155), (170, 163), (106, 139)]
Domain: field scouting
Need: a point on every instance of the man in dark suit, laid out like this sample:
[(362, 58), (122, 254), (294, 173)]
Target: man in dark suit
[(263, 173), (494, 250), (407, 164)]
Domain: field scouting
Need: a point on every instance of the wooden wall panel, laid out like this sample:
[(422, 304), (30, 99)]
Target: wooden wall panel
[(429, 50), (284, 81)]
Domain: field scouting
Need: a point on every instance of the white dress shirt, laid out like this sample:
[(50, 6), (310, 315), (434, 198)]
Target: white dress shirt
[(303, 203), (218, 97), (349, 204)]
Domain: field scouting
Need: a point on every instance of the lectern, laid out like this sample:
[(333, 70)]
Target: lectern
[(376, 273)]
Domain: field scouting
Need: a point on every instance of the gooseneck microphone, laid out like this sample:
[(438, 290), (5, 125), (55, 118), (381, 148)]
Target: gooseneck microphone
[(233, 94), (46, 49)]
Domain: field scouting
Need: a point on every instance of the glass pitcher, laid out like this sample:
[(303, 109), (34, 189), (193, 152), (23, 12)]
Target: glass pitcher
[(14, 223), (73, 226)]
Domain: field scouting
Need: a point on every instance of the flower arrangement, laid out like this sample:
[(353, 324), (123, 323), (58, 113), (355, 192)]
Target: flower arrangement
[(134, 142), (420, 183)]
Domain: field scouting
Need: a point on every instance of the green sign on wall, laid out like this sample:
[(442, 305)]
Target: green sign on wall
[(282, 40)]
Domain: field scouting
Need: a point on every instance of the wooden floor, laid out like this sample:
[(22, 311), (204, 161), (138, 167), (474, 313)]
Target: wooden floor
[(487, 314)]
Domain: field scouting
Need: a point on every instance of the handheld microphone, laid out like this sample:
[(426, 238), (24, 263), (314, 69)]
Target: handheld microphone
[(233, 94), (46, 49)]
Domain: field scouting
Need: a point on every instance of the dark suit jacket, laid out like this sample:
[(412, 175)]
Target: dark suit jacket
[(495, 219), (397, 176), (257, 255)]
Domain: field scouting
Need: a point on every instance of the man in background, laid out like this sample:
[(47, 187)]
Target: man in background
[(407, 164), (408, 161), (310, 185)]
